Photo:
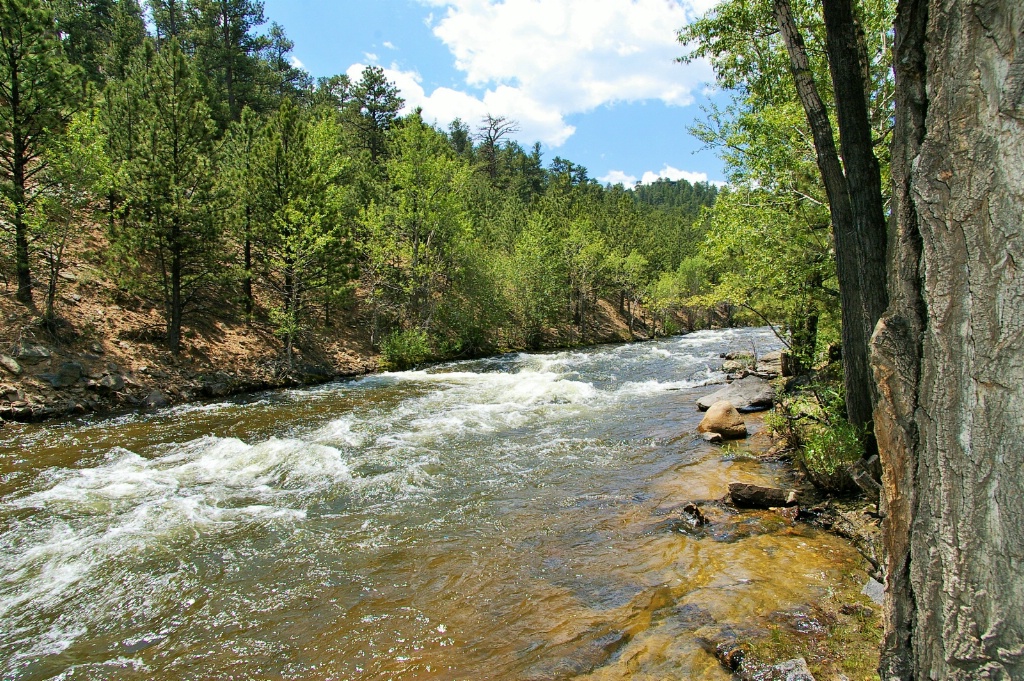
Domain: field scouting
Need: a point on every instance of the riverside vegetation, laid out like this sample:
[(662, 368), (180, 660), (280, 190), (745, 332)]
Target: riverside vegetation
[(176, 187)]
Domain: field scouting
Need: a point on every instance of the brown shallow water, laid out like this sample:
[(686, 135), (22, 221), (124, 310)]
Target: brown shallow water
[(512, 518)]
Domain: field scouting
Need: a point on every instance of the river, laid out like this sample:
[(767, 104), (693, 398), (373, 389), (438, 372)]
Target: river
[(492, 519)]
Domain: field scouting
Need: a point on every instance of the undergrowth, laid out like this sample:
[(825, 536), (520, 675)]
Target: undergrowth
[(811, 422)]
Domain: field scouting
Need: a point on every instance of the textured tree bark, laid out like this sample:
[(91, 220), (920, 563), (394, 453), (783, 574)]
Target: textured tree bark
[(861, 278), (948, 356)]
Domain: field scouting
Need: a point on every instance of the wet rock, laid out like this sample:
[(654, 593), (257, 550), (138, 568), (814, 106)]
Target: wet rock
[(863, 530), (747, 394), (725, 646), (10, 364), (722, 418), (745, 495), (789, 513), (155, 400), (713, 438), (217, 387), (856, 610), (691, 509), (32, 352)]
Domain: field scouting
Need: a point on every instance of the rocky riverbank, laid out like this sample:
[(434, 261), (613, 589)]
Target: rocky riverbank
[(106, 357)]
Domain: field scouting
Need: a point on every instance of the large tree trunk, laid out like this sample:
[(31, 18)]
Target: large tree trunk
[(859, 279), (948, 355)]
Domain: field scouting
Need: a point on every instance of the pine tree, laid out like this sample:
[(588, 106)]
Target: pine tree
[(163, 142), (127, 33), (298, 173), (39, 90), (372, 111), (227, 48), (85, 28)]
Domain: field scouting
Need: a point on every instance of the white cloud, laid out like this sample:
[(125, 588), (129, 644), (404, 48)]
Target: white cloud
[(675, 174), (296, 62), (444, 105), (539, 61), (618, 177), (390, 45), (371, 57)]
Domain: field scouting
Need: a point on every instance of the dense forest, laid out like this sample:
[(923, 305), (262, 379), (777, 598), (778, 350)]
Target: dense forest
[(224, 178)]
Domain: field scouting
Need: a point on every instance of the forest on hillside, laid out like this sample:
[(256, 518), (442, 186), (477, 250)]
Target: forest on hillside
[(223, 178)]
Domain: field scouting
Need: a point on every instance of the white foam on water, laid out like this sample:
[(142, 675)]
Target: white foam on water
[(483, 403), (88, 520)]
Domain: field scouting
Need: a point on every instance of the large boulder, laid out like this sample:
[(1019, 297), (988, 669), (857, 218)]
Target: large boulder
[(747, 395), (722, 418)]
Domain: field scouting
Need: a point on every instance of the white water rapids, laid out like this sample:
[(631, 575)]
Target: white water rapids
[(447, 523)]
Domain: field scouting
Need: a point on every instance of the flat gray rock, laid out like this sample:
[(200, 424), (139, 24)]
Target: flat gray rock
[(792, 670), (747, 395), (874, 590)]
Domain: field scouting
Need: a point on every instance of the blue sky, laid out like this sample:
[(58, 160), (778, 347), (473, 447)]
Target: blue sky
[(594, 81)]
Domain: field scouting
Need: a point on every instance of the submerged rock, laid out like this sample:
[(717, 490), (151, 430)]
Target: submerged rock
[(747, 394), (722, 418)]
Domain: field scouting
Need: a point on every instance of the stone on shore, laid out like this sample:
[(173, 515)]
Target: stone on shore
[(747, 395), (754, 496), (10, 364), (722, 418), (32, 352), (155, 400), (790, 670)]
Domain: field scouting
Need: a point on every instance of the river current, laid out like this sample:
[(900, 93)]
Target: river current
[(490, 519)]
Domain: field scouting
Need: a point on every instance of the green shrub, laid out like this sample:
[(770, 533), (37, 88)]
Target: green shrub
[(828, 451), (405, 349)]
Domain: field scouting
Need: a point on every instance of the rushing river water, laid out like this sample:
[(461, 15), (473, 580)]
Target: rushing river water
[(492, 519)]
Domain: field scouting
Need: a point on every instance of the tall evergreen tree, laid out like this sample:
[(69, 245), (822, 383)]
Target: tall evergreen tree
[(85, 28), (228, 48), (127, 33), (167, 177), (372, 111), (298, 174), (39, 90)]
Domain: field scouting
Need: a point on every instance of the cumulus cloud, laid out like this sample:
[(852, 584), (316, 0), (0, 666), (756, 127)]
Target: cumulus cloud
[(666, 173), (618, 177), (296, 62), (443, 105), (539, 61), (675, 174)]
